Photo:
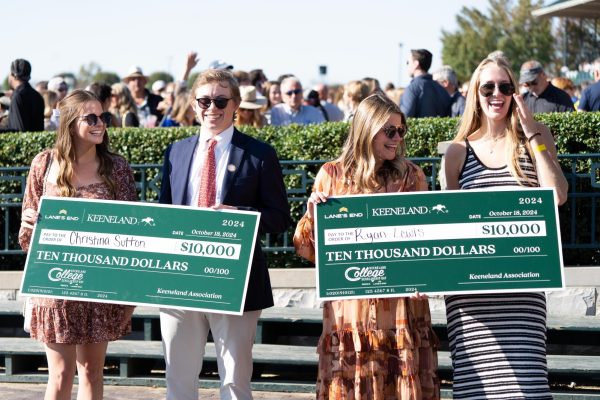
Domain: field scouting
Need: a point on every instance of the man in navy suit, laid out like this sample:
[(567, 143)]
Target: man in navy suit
[(248, 177)]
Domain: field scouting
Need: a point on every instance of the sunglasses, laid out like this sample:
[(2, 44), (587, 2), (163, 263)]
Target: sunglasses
[(92, 119), (293, 92), (487, 89), (532, 83), (391, 131), (219, 102)]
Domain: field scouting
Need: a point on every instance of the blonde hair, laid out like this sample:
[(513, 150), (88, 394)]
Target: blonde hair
[(357, 160), (220, 76), (125, 102), (50, 101), (71, 109), (471, 120)]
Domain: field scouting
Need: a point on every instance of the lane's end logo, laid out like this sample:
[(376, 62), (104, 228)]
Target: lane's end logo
[(62, 212), (343, 209)]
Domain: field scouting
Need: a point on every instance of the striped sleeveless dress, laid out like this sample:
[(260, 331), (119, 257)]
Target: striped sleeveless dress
[(497, 341)]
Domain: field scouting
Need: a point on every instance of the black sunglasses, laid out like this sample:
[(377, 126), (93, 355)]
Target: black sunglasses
[(390, 131), (295, 91), (92, 119), (220, 102), (532, 83), (487, 89)]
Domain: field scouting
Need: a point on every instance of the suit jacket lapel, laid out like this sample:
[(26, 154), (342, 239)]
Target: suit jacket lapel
[(236, 154), (183, 162)]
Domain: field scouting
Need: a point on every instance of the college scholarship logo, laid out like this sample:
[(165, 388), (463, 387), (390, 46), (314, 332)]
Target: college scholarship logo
[(68, 276), (343, 213), (365, 274)]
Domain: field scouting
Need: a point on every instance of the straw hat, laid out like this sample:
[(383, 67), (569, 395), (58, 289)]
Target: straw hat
[(249, 98), (134, 72)]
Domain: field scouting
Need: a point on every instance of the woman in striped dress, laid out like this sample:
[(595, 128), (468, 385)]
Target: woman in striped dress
[(498, 341)]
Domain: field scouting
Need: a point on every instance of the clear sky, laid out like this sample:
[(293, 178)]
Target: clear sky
[(353, 38)]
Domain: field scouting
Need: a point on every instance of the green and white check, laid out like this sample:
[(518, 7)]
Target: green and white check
[(387, 245), (141, 254)]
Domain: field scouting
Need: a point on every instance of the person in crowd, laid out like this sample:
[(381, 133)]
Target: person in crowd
[(590, 97), (58, 84), (242, 77), (158, 87), (446, 77), (372, 348), (272, 91), (354, 93), (4, 108), (498, 341), (104, 93), (542, 96), (292, 111), (50, 102), (568, 86), (372, 84), (334, 113), (464, 89), (220, 64), (41, 87), (258, 79), (26, 104), (123, 106), (182, 113), (75, 334), (249, 112), (175, 89), (423, 97), (248, 176), (311, 99), (148, 113)]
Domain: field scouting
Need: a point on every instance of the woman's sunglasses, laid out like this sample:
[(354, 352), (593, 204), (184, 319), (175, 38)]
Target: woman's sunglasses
[(220, 102), (391, 131), (487, 89), (92, 119)]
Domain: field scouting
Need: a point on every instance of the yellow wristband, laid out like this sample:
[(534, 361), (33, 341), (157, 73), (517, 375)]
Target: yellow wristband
[(540, 148)]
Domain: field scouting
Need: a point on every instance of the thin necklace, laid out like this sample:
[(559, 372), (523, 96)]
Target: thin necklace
[(494, 140)]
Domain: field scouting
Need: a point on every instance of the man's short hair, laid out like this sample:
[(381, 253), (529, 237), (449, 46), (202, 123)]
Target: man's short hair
[(290, 80), (446, 73), (21, 69), (217, 76), (424, 58)]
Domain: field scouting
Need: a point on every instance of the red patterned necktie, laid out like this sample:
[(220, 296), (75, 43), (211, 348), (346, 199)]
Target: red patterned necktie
[(208, 177)]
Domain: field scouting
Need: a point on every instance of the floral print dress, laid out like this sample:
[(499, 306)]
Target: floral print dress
[(72, 321)]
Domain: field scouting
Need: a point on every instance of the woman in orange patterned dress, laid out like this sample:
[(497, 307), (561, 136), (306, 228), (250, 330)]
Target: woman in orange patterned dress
[(76, 333), (377, 348)]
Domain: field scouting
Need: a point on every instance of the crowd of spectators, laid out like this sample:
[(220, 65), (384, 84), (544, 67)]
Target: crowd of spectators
[(136, 102)]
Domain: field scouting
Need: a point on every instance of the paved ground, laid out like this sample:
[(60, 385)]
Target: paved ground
[(27, 391)]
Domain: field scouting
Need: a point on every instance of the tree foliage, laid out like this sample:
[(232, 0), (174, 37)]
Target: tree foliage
[(165, 76), (106, 77), (577, 41), (506, 25)]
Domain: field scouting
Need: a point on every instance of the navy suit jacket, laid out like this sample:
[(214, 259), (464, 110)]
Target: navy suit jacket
[(255, 183)]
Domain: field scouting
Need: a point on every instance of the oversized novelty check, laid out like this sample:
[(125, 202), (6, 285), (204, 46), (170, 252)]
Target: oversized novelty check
[(438, 242), (141, 253)]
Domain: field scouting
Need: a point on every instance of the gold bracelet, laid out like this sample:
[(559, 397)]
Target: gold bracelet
[(540, 148)]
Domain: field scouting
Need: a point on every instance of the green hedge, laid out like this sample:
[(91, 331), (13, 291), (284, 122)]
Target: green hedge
[(574, 132)]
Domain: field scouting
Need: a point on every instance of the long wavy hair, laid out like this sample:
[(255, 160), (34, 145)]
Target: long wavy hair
[(472, 119), (357, 160), (71, 108)]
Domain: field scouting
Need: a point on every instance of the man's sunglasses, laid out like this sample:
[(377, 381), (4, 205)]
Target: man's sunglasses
[(487, 89), (532, 83), (92, 119), (220, 102), (391, 131), (293, 92)]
